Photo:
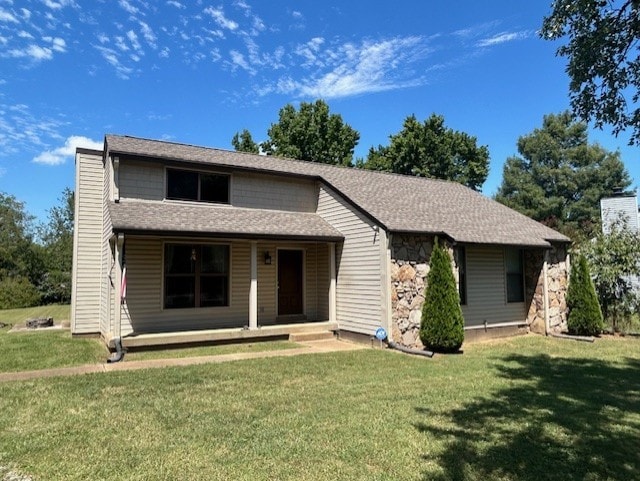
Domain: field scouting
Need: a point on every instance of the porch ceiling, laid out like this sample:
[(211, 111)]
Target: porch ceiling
[(195, 219)]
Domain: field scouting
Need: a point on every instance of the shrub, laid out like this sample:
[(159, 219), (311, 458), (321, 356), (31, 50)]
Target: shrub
[(16, 292), (585, 316), (442, 325)]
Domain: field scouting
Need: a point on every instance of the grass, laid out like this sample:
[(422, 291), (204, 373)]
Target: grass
[(209, 350), (43, 349), (527, 408), (20, 316)]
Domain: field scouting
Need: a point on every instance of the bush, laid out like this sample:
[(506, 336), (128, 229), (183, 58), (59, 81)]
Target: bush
[(585, 316), (442, 325), (16, 292)]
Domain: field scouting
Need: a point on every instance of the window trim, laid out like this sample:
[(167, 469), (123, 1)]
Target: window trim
[(198, 243), (506, 275), (199, 172)]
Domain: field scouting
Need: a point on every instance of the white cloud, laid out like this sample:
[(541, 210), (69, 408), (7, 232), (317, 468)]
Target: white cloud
[(3, 171), (61, 154), (26, 14), (35, 52), (238, 60), (127, 7), (502, 38), (173, 3), (164, 53), (148, 34), (218, 15), (309, 51), (7, 16), (23, 34), (133, 38), (112, 57), (358, 69)]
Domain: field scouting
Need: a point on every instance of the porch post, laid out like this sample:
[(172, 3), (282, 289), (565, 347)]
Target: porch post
[(117, 314), (253, 288), (332, 282)]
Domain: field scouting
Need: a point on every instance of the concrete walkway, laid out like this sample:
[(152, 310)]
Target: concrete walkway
[(309, 347)]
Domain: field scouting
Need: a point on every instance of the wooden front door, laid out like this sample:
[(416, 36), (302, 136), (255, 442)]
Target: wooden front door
[(290, 282)]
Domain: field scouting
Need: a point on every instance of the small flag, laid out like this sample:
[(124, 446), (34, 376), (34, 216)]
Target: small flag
[(123, 286)]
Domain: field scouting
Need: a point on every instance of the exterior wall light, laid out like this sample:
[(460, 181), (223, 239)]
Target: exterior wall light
[(267, 258)]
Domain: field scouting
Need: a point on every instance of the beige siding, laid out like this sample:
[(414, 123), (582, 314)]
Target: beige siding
[(276, 193), (486, 289), (87, 270), (143, 311), (146, 181), (141, 180), (358, 285), (106, 255)]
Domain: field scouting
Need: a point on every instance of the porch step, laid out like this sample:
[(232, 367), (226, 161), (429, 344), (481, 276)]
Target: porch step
[(311, 336)]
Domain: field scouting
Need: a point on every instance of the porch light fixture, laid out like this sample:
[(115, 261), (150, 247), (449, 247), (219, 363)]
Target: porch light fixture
[(267, 258)]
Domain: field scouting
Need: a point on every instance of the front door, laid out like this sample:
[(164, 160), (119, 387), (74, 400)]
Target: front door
[(290, 282)]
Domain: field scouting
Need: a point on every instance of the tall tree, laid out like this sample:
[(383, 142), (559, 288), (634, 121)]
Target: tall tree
[(57, 238), (21, 265), (243, 142), (430, 149), (311, 133), (602, 59), (559, 178)]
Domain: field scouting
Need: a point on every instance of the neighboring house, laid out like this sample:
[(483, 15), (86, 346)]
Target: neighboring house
[(621, 209), (179, 243)]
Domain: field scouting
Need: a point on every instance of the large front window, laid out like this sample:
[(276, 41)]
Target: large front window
[(196, 275), (197, 186)]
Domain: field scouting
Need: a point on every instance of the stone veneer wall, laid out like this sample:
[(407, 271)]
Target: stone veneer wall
[(410, 256), (557, 279)]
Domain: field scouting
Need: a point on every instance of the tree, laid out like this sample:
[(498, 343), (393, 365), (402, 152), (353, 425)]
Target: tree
[(559, 178), (442, 324), (312, 134), (243, 142), (602, 59), (430, 149), (20, 260), (614, 259), (585, 316), (57, 238)]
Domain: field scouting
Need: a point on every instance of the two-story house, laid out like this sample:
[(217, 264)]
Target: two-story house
[(180, 243)]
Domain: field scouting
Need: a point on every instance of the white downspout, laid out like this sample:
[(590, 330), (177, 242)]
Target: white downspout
[(332, 282)]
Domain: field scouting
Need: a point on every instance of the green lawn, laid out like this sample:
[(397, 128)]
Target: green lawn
[(527, 408), (19, 316)]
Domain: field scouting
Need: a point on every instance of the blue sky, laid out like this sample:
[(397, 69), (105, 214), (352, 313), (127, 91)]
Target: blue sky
[(197, 72)]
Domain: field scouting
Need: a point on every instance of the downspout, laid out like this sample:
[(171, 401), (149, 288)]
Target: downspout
[(545, 295)]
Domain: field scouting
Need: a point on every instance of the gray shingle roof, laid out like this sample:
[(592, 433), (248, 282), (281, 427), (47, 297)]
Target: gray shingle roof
[(397, 202), (184, 218)]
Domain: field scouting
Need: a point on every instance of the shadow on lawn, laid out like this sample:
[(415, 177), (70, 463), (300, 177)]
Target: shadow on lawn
[(558, 419)]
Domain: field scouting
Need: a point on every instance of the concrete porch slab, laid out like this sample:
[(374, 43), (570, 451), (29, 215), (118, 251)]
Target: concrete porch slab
[(229, 334)]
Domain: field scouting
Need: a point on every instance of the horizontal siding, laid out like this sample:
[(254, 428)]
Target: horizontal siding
[(271, 192), (613, 209), (141, 180), (486, 289), (358, 284), (87, 253)]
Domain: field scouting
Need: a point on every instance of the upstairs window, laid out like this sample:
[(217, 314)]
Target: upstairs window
[(197, 186), (515, 275)]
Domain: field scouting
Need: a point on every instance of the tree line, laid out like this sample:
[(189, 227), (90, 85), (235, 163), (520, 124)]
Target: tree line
[(35, 259)]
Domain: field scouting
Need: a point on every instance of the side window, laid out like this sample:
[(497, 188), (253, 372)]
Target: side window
[(197, 186), (515, 275)]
